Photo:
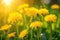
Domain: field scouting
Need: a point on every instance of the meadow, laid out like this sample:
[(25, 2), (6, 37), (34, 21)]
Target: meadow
[(31, 23)]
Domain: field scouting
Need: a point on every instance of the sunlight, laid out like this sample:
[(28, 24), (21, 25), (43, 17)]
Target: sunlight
[(7, 2)]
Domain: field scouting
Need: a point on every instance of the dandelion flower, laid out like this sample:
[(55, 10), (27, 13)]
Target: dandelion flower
[(31, 11), (5, 27), (50, 18), (13, 17), (36, 24), (43, 11), (55, 6), (22, 7), (11, 34), (23, 33)]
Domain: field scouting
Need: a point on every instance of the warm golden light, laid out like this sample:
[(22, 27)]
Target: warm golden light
[(7, 2)]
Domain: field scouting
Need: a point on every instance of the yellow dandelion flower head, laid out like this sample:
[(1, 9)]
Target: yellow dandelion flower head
[(11, 34), (5, 27), (31, 11), (23, 33), (22, 7), (43, 11), (13, 17), (36, 24), (50, 18), (55, 6)]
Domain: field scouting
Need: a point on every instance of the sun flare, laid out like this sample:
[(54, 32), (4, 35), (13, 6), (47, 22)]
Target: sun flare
[(7, 2)]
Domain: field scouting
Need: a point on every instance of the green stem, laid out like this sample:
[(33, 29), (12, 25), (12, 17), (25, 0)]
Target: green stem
[(8, 33), (4, 35), (31, 35), (7, 38), (30, 19), (1, 37), (37, 34), (51, 32), (40, 33), (24, 19), (22, 39), (17, 30), (14, 38), (31, 29), (58, 22), (42, 17)]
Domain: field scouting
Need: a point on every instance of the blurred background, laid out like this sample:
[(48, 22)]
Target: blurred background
[(8, 6), (15, 3)]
